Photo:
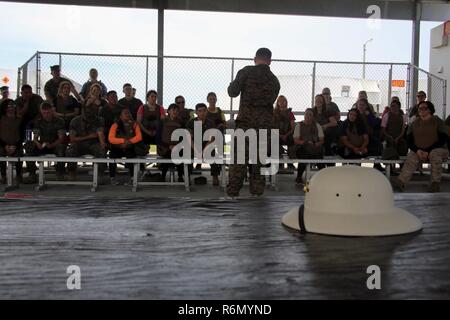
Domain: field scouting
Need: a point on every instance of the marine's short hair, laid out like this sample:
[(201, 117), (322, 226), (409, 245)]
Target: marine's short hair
[(429, 105), (264, 53), (127, 85), (46, 105), (173, 106), (111, 93), (25, 86), (200, 105)]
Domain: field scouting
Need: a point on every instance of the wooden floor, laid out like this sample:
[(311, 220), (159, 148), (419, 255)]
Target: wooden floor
[(169, 248)]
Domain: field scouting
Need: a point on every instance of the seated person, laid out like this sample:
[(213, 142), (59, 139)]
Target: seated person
[(49, 138), (164, 148), (201, 110), (111, 111), (129, 101), (94, 97), (149, 118), (393, 125), (10, 139), (353, 137), (308, 139), (93, 79), (427, 137), (66, 106), (184, 114), (125, 138), (215, 114), (86, 137), (328, 122), (284, 121), (29, 105)]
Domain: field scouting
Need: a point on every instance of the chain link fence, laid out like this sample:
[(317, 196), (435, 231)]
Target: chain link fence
[(194, 77)]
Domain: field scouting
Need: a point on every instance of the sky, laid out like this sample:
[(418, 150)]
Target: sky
[(33, 27)]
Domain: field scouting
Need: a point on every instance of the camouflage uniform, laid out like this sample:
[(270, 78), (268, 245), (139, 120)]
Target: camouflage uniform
[(259, 88), (49, 132), (437, 151), (82, 126)]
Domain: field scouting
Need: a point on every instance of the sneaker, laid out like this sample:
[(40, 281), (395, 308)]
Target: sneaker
[(114, 181), (434, 187), (31, 179), (215, 181), (397, 185)]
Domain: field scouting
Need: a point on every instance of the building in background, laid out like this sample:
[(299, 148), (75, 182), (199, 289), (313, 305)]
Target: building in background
[(440, 56)]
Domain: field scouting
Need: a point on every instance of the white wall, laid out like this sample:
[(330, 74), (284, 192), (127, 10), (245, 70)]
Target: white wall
[(440, 57)]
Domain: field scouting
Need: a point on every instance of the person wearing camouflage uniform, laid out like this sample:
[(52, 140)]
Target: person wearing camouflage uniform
[(86, 137), (49, 136), (427, 137), (258, 88)]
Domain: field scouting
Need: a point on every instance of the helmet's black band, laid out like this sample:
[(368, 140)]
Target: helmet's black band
[(301, 218)]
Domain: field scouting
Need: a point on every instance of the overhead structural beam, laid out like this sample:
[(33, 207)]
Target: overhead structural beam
[(433, 10), (415, 51), (160, 63)]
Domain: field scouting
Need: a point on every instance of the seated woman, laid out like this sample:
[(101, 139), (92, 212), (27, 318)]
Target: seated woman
[(328, 122), (353, 137), (308, 139), (393, 127), (65, 105), (427, 137), (95, 97), (149, 117), (124, 137), (373, 127), (169, 125), (284, 121)]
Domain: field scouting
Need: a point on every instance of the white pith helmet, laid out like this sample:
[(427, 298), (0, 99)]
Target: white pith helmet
[(350, 201)]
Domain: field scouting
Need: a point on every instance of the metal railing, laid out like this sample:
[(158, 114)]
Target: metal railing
[(194, 77)]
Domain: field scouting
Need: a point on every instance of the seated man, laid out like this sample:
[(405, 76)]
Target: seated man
[(86, 137), (308, 139), (49, 137), (125, 138), (164, 149), (201, 110), (10, 139), (427, 137)]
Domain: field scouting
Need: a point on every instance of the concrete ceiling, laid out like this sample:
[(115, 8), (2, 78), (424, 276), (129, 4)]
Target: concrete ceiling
[(432, 10)]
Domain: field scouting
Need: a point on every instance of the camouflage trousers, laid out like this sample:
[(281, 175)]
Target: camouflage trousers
[(32, 151), (436, 157), (82, 148), (238, 172)]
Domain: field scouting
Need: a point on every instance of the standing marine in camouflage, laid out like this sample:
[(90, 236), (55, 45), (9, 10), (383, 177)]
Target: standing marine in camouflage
[(258, 88)]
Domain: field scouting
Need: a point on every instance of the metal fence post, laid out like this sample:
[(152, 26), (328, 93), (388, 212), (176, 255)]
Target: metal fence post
[(38, 73), (390, 87), (313, 85), (146, 75), (429, 88), (231, 99), (408, 88), (19, 80), (60, 61), (444, 98)]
